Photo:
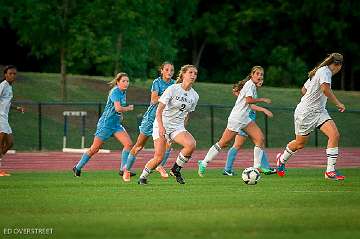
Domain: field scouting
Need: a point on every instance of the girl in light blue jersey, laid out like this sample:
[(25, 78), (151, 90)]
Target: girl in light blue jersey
[(109, 123), (158, 87), (6, 137), (242, 136)]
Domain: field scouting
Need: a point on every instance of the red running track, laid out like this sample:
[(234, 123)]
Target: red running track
[(59, 161)]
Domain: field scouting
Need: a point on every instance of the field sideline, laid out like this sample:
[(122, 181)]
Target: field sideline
[(42, 193), (58, 161)]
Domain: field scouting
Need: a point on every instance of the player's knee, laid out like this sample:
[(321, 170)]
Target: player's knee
[(190, 147), (335, 136)]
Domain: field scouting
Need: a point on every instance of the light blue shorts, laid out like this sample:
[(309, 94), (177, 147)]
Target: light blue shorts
[(243, 133), (104, 132), (146, 126)]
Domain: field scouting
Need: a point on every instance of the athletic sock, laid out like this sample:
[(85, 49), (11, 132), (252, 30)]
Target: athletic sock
[(230, 159), (130, 161), (181, 160), (145, 173), (332, 154), (258, 154), (211, 154), (286, 155), (84, 159), (264, 161), (124, 157), (166, 156)]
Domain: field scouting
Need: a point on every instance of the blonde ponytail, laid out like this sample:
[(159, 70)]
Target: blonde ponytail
[(335, 58)]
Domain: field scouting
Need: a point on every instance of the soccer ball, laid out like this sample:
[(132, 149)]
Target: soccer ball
[(250, 176)]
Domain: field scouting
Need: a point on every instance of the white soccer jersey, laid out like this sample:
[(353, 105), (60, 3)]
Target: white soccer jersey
[(6, 95), (240, 112), (179, 103), (314, 99)]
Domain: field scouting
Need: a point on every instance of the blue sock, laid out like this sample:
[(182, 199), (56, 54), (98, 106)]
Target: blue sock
[(130, 161), (84, 159), (166, 156), (230, 159), (264, 161), (124, 157)]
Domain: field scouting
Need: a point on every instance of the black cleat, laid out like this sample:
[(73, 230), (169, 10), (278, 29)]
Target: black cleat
[(142, 181), (121, 173), (77, 172), (178, 176)]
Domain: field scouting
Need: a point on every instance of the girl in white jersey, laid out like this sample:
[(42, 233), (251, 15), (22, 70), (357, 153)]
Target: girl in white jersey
[(239, 119), (172, 113), (6, 137), (311, 113)]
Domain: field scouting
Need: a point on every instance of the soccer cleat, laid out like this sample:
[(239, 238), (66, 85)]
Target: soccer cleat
[(334, 175), (202, 169), (162, 172), (4, 174), (178, 176), (77, 172), (228, 173), (280, 166), (121, 173), (126, 176), (267, 171), (142, 181)]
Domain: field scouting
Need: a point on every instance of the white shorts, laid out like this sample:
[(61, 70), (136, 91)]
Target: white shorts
[(237, 126), (169, 135), (5, 127), (306, 122)]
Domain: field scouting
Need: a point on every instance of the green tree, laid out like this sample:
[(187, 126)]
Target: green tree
[(49, 27)]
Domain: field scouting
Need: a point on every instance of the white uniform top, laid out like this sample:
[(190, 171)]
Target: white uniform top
[(178, 103), (314, 99), (6, 95), (240, 112)]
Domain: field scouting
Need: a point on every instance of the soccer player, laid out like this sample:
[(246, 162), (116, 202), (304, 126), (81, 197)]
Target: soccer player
[(158, 87), (109, 123), (6, 94), (172, 113), (311, 113), (241, 137), (239, 119)]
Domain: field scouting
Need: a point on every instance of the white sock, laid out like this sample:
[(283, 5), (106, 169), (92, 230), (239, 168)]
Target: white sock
[(145, 173), (181, 160), (258, 154), (211, 154), (332, 154), (286, 155)]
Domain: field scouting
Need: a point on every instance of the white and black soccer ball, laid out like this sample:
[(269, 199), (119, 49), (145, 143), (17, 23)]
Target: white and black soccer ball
[(250, 176)]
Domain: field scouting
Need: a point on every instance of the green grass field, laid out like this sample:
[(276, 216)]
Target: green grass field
[(100, 205)]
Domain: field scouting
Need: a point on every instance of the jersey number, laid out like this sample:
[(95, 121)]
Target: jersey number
[(182, 107)]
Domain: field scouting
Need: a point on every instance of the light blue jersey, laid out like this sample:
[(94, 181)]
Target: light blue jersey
[(110, 120), (159, 86)]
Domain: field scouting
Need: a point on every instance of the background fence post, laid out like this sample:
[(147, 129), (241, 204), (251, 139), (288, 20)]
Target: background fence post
[(266, 131), (99, 110), (39, 126), (212, 123), (316, 138)]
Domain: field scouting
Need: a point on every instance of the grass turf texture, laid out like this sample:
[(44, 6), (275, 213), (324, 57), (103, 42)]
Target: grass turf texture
[(100, 205)]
